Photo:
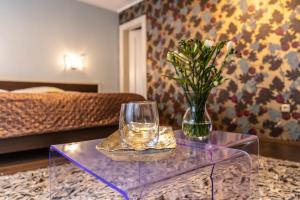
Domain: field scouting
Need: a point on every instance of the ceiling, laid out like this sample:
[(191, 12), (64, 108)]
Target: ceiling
[(114, 5)]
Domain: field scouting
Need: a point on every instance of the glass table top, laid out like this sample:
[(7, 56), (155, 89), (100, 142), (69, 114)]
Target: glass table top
[(124, 176), (223, 139)]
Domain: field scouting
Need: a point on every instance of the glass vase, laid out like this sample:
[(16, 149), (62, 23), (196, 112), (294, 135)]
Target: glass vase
[(196, 122)]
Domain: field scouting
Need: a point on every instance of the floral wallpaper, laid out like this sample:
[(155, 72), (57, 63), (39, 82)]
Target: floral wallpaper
[(266, 75)]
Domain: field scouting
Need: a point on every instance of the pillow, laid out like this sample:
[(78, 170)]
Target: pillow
[(43, 89), (1, 90)]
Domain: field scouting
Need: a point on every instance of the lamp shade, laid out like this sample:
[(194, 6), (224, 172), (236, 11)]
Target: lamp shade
[(73, 62)]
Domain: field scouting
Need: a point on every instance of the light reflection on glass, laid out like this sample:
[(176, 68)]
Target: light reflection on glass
[(72, 147)]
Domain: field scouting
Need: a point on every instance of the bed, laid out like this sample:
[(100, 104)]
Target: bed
[(31, 120)]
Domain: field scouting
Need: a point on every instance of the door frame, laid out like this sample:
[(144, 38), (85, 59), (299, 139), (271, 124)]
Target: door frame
[(123, 51)]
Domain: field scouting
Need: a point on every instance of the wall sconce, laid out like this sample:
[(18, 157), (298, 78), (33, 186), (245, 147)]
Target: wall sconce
[(73, 62)]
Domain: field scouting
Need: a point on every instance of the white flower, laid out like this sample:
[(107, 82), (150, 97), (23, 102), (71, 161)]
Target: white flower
[(208, 43), (230, 45)]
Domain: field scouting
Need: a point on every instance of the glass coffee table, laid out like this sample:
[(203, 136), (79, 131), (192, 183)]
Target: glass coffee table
[(219, 168)]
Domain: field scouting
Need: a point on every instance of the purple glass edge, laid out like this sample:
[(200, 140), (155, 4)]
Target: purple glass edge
[(122, 192)]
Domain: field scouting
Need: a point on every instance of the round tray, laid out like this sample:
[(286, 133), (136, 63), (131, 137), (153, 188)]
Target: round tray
[(112, 147)]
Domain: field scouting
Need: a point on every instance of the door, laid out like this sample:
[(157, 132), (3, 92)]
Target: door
[(137, 73)]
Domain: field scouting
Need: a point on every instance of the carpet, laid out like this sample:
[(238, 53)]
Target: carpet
[(279, 179)]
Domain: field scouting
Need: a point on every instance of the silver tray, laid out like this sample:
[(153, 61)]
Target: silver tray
[(112, 147)]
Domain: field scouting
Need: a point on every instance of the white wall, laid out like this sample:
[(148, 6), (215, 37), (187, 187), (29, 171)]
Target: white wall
[(35, 35)]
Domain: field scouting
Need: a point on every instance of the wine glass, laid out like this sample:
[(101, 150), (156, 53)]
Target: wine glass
[(138, 125)]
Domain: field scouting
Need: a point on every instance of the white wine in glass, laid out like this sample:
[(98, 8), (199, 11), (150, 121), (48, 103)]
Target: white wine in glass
[(139, 124)]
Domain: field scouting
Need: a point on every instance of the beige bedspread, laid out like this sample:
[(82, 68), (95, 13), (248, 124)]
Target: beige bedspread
[(27, 114)]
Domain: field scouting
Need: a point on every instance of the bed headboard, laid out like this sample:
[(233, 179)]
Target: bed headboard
[(14, 85)]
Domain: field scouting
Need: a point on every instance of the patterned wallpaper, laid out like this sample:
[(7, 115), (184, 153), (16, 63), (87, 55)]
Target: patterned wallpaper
[(267, 33)]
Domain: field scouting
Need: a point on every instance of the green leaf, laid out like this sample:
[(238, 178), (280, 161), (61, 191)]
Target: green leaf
[(195, 65)]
